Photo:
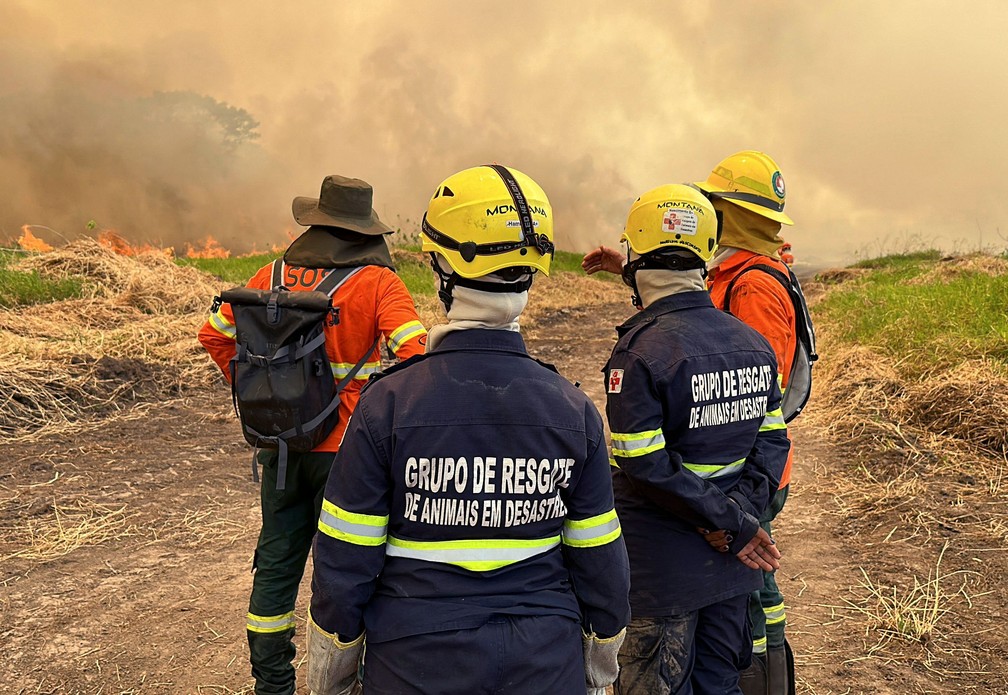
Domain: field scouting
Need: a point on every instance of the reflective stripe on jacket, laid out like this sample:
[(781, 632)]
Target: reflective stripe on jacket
[(472, 481), (374, 300)]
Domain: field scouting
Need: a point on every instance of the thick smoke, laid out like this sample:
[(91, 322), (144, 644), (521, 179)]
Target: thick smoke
[(172, 122)]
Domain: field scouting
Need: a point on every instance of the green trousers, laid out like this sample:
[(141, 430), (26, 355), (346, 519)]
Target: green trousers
[(289, 520), (766, 605)]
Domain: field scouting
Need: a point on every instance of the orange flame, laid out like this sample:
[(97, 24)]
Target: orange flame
[(113, 241), (276, 249), (211, 249), (30, 242), (110, 240)]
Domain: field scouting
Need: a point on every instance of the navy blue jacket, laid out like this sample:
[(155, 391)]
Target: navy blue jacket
[(472, 481), (698, 440)]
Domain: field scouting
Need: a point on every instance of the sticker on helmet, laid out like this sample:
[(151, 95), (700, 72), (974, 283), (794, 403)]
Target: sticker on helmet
[(679, 222), (615, 380), (778, 184)]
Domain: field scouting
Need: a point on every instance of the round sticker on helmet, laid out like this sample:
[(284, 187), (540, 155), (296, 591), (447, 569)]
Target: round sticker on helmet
[(679, 221), (778, 184)]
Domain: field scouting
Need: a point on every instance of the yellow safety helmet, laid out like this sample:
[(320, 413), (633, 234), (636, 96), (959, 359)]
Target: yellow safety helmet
[(489, 218), (751, 180), (672, 216)]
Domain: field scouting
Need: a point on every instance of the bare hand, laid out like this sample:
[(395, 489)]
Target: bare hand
[(760, 553), (603, 258), (719, 540)]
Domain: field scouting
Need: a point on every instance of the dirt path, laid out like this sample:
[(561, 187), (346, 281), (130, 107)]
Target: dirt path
[(125, 555)]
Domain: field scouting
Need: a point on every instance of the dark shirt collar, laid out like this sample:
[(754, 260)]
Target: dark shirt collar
[(666, 305), (482, 339)]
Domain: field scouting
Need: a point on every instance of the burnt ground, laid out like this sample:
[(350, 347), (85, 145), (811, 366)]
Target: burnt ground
[(125, 552)]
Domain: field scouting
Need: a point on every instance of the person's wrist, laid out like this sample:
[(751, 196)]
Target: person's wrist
[(748, 528)]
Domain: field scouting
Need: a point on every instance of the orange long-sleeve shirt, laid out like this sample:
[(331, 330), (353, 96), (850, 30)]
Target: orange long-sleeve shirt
[(760, 301), (371, 302)]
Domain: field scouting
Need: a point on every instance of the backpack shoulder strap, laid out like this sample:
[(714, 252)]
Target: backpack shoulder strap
[(277, 280), (357, 367), (335, 279), (804, 331), (784, 280)]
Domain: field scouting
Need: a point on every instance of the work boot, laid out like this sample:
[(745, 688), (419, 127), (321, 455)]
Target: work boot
[(753, 680), (780, 670)]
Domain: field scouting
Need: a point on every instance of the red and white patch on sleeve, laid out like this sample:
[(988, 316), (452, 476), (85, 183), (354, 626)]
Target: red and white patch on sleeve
[(615, 380)]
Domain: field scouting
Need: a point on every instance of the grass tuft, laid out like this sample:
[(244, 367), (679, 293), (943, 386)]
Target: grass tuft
[(912, 613)]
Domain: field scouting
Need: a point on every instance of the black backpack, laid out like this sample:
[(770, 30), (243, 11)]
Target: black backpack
[(282, 384), (799, 386)]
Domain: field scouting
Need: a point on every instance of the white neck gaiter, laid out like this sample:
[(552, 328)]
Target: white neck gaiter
[(653, 284), (478, 309), (722, 255)]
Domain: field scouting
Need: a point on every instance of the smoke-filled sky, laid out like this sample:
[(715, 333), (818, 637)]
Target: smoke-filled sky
[(172, 121)]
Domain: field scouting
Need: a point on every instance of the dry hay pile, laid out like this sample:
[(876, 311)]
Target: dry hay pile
[(953, 267), (862, 397), (857, 394), (836, 276), (966, 403), (131, 339), (149, 281), (926, 453), (862, 400), (553, 298)]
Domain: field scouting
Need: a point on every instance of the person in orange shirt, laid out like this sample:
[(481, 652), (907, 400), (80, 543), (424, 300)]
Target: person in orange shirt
[(343, 231), (748, 191)]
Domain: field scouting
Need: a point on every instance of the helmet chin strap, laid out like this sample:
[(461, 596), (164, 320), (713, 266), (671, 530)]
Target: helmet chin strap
[(630, 280), (449, 279)]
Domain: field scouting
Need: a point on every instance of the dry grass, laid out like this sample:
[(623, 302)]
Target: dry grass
[(429, 310), (862, 399), (910, 614), (966, 403), (48, 382), (901, 617), (950, 268), (565, 290), (132, 338), (149, 281), (857, 394), (566, 297), (35, 397), (209, 525), (836, 276), (924, 462), (928, 453), (68, 528)]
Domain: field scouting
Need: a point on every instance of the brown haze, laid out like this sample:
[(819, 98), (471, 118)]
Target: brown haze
[(887, 118)]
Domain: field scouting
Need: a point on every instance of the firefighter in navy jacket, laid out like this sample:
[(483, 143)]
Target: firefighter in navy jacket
[(468, 527), (698, 445)]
